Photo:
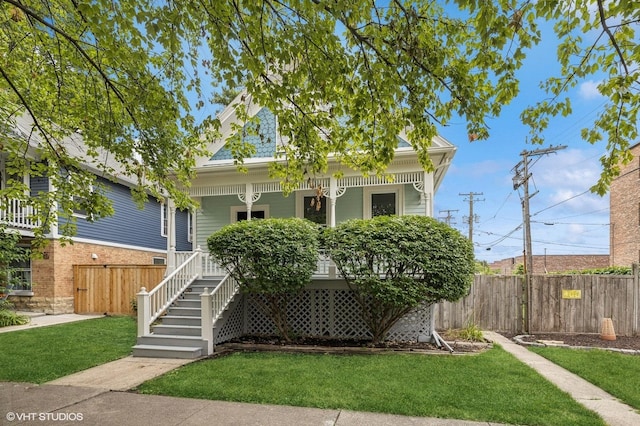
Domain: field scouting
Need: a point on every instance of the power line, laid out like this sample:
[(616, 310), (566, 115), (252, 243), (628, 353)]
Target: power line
[(561, 202)]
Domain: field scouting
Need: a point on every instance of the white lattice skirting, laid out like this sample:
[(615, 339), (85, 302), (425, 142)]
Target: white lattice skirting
[(331, 311)]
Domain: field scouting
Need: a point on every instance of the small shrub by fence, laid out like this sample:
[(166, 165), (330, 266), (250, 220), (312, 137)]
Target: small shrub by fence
[(558, 303)]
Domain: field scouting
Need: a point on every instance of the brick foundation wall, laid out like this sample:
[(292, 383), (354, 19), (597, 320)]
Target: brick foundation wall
[(52, 276), (624, 202), (553, 263)]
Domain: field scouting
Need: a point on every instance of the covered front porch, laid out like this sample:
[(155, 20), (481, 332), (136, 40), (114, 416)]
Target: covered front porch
[(198, 306)]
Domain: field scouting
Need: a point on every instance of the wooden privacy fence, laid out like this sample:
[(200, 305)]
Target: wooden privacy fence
[(111, 288), (557, 304)]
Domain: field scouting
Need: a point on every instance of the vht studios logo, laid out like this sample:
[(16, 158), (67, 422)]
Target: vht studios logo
[(44, 417)]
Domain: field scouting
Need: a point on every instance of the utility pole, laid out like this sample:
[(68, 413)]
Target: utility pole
[(448, 219), (472, 217), (521, 178)]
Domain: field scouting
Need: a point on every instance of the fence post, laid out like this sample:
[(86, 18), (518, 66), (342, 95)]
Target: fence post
[(206, 324), (144, 308)]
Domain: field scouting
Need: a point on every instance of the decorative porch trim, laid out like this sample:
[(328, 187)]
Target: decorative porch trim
[(342, 183)]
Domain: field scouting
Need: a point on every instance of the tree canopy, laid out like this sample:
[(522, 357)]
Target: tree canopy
[(135, 79)]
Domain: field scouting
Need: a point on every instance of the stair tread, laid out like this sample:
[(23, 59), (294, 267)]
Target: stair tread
[(169, 348), (176, 326)]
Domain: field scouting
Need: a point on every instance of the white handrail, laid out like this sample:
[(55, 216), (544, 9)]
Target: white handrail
[(152, 304), (222, 295), (212, 305)]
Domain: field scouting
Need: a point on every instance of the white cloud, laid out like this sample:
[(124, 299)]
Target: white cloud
[(575, 169), (589, 90)]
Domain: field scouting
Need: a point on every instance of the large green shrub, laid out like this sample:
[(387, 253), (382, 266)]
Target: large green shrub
[(395, 263), (274, 258)]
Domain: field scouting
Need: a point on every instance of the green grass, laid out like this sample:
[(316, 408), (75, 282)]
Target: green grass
[(492, 386), (616, 373), (42, 354)]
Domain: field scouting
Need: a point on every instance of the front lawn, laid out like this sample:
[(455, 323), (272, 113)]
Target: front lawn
[(492, 386), (42, 354), (616, 373)]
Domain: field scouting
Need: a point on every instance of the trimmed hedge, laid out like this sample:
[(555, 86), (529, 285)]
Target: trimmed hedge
[(271, 257), (393, 264)]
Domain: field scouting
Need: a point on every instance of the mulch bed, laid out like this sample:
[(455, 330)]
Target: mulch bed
[(586, 340), (347, 346)]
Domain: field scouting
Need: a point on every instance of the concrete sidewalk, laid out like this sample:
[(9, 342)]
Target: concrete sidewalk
[(43, 320), (99, 396), (53, 404)]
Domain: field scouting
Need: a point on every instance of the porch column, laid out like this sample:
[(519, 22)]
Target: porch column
[(171, 236), (248, 198), (425, 188), (428, 194), (334, 193)]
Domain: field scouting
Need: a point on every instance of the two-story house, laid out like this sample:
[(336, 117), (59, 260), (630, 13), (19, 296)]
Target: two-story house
[(130, 236)]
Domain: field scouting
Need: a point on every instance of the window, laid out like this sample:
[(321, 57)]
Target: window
[(20, 274), (380, 201), (164, 220), (159, 261), (383, 204), (310, 207), (239, 213), (259, 214), (189, 226), (315, 209), (80, 203)]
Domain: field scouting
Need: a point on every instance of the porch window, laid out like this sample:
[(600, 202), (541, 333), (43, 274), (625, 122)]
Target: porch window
[(315, 209), (259, 214), (382, 201), (383, 204), (189, 226), (258, 211)]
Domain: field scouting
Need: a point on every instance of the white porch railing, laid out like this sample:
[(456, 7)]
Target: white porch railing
[(18, 214), (325, 268), (152, 304), (212, 305)]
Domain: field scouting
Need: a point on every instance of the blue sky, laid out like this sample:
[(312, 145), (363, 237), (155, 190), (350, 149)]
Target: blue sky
[(566, 217)]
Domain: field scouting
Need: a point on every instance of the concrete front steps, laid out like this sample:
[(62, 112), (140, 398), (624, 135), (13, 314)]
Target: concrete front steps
[(178, 334)]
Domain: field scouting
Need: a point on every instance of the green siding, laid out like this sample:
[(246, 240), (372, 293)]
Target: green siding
[(412, 204), (216, 211), (349, 206)]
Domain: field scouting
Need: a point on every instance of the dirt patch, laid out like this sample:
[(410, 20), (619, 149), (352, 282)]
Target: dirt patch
[(588, 340), (326, 345)]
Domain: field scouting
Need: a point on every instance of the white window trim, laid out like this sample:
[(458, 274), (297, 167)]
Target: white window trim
[(75, 214), (255, 208), (164, 220), (300, 204), (386, 189), (189, 227)]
